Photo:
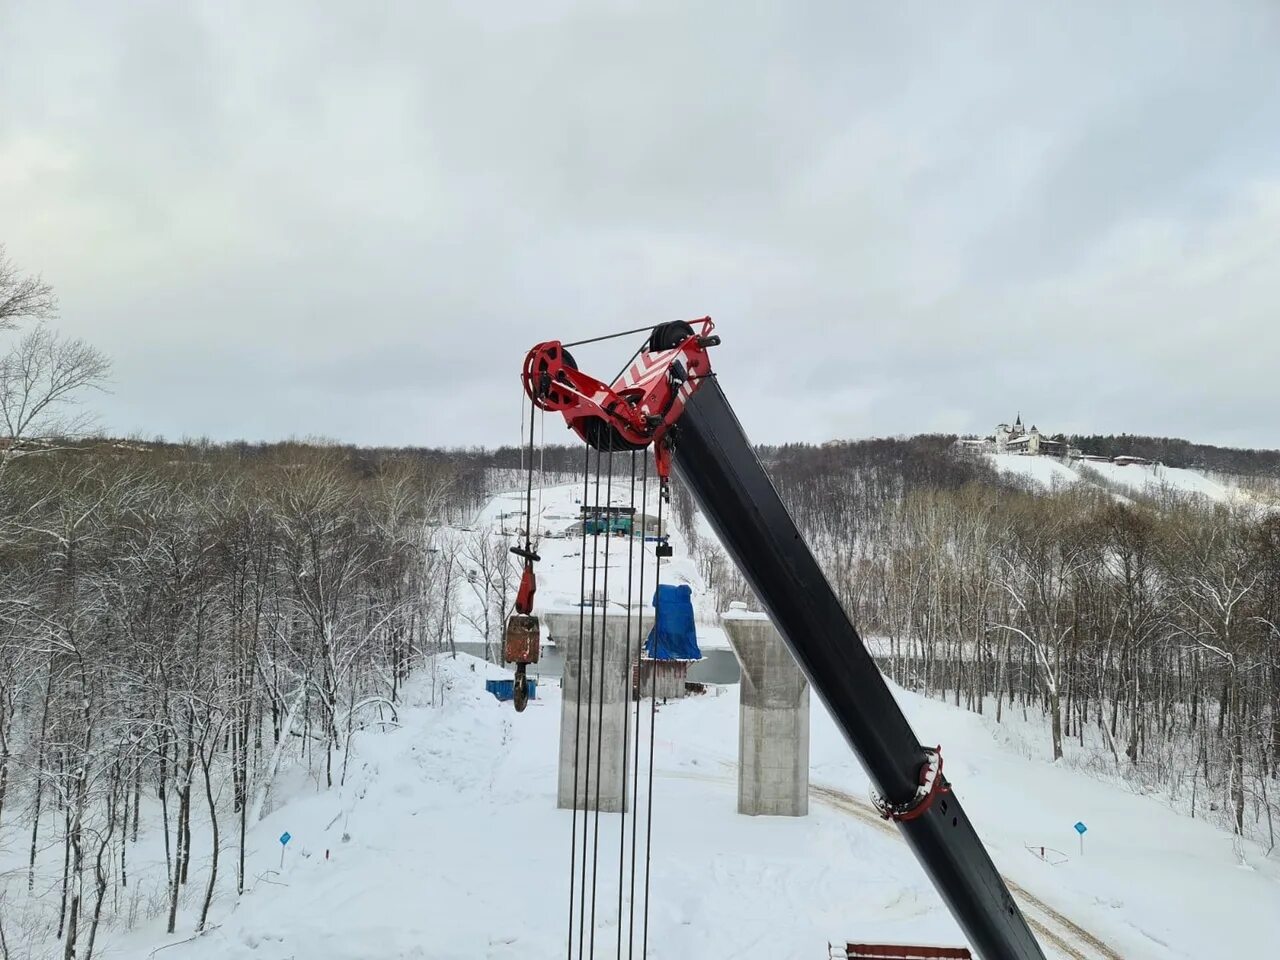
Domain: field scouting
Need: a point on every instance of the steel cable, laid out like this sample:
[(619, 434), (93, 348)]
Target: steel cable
[(604, 640), (627, 687), (582, 586), (635, 791), (653, 719), (591, 661)]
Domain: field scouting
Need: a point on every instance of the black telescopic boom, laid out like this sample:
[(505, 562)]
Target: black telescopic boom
[(717, 464)]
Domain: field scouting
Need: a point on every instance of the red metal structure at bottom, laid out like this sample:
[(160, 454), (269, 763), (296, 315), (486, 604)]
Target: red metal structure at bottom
[(888, 951)]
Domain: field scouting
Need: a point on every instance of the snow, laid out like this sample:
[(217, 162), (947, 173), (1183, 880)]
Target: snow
[(445, 843), (744, 615), (1144, 479), (1153, 478), (1047, 472), (560, 571)]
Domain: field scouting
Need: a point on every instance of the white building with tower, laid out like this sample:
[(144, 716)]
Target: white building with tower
[(1017, 439), (1032, 443)]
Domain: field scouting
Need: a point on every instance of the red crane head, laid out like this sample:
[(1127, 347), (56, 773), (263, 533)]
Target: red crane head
[(639, 406)]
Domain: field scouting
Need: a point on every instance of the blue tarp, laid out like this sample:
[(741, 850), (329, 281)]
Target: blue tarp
[(506, 689), (673, 636)]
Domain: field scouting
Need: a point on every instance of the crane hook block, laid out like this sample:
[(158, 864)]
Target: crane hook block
[(522, 641), (528, 587)]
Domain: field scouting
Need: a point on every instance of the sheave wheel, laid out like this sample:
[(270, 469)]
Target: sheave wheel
[(668, 335), (520, 693)]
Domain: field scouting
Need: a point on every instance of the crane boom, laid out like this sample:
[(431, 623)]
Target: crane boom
[(669, 398), (716, 462)]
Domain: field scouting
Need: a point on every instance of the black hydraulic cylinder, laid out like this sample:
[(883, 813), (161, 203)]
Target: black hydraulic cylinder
[(716, 462)]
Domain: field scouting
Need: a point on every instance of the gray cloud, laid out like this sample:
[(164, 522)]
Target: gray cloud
[(331, 219)]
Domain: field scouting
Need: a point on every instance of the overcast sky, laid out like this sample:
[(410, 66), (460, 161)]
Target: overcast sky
[(352, 219)]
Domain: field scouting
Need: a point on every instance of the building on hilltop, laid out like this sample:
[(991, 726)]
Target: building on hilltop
[(1020, 441), (1032, 443), (1017, 439), (1125, 460)]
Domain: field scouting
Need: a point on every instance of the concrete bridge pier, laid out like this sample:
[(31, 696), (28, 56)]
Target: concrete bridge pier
[(773, 719), (609, 657)]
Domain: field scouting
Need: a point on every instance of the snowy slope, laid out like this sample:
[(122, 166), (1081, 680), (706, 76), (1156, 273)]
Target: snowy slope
[(1046, 472), (1156, 478), (454, 849), (1050, 473)]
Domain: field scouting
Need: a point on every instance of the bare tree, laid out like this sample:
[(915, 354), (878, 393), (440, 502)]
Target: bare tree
[(22, 297), (491, 576), (41, 381), (1218, 572)]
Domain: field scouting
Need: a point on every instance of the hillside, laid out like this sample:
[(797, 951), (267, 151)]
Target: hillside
[(436, 822), (445, 843), (1176, 452), (922, 546), (1154, 480)]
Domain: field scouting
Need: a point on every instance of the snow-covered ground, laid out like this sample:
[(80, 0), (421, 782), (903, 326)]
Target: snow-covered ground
[(1150, 480), (445, 841), (1047, 472), (1156, 478)]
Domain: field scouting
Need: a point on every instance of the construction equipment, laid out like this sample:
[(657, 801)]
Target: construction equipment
[(668, 398), (521, 647), (521, 642), (887, 951)]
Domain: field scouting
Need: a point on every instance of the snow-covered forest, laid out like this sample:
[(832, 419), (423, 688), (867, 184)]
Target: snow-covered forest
[(178, 620), (183, 623), (172, 628), (1146, 630)]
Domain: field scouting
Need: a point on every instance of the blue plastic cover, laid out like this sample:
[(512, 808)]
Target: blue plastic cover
[(673, 636), (506, 689)]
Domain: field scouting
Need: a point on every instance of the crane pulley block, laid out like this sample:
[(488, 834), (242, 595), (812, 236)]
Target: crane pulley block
[(641, 404), (521, 644)]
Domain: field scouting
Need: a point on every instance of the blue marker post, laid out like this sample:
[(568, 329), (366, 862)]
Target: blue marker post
[(284, 842), (1080, 829)]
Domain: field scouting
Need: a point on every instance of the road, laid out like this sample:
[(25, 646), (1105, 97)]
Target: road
[(1064, 938), (1070, 940)]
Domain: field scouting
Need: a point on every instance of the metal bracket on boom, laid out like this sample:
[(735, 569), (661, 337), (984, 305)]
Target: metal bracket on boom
[(932, 783)]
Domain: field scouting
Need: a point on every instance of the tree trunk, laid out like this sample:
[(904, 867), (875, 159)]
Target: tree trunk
[(5, 718), (100, 873), (1056, 712), (213, 823), (40, 745), (1237, 756), (66, 869), (162, 775), (76, 848)]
